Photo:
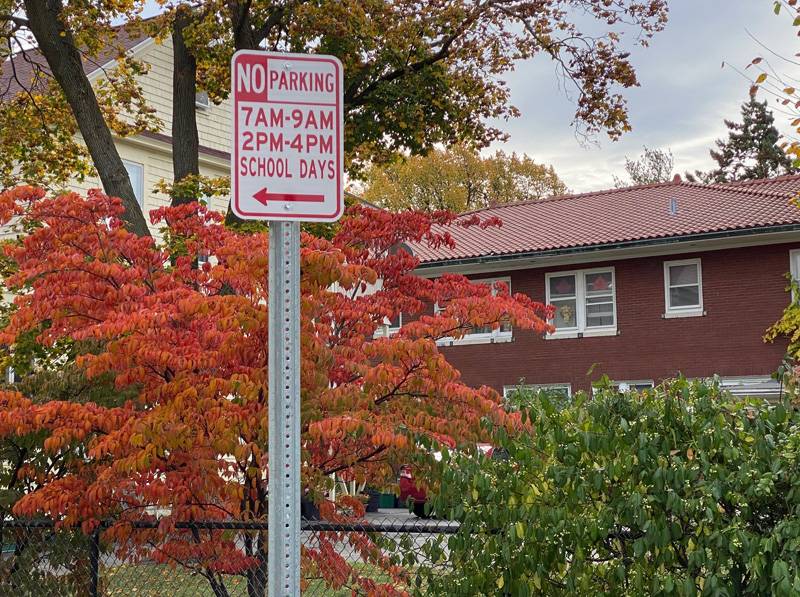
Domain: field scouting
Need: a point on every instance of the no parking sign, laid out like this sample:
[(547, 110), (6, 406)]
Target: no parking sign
[(288, 143)]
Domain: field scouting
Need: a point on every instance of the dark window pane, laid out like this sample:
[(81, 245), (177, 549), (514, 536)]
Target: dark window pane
[(566, 314), (562, 286), (687, 296), (599, 321), (682, 274), (600, 282)]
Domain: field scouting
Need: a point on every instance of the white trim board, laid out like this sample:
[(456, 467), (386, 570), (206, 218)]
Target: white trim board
[(616, 254)]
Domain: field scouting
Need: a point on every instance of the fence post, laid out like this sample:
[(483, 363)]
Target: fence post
[(94, 563)]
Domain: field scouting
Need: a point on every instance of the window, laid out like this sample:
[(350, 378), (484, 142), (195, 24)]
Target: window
[(633, 386), (136, 174), (483, 334), (562, 390), (584, 301), (756, 386), (395, 323), (628, 386), (201, 100), (794, 267), (390, 326), (683, 288), (558, 395)]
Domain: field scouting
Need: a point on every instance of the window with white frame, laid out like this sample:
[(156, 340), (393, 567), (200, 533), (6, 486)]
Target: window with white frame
[(136, 174), (633, 386), (755, 386), (484, 333), (637, 385), (683, 288), (584, 302), (393, 324), (562, 390), (794, 265), (201, 100)]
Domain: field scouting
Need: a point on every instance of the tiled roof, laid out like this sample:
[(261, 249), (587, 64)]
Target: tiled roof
[(622, 215), (25, 69), (780, 184)]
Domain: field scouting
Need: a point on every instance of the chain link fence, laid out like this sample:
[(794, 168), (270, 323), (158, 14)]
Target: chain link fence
[(385, 556)]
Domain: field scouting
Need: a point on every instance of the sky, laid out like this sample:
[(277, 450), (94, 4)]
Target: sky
[(684, 95)]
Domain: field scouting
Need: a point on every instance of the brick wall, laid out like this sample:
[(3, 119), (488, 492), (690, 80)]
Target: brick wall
[(743, 294)]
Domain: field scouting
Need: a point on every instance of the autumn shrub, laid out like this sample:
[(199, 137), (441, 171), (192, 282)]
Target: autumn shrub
[(679, 490), (145, 373)]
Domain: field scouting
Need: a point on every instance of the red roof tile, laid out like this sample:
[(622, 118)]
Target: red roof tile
[(622, 215), (780, 184)]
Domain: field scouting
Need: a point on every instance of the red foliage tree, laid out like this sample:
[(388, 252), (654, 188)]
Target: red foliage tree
[(192, 342)]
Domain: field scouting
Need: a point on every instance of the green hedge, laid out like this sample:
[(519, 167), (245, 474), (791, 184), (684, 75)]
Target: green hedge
[(682, 490)]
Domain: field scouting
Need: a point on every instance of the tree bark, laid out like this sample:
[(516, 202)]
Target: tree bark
[(58, 47), (185, 140), (246, 37)]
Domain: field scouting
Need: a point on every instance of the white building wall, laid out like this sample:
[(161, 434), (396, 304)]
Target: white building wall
[(155, 156), (213, 123)]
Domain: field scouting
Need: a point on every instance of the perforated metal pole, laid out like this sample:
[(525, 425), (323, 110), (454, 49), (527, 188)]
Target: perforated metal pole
[(284, 409)]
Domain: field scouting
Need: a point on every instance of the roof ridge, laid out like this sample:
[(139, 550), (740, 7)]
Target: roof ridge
[(721, 186), (757, 181), (724, 186), (566, 196)]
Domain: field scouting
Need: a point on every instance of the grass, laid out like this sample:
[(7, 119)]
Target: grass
[(152, 580)]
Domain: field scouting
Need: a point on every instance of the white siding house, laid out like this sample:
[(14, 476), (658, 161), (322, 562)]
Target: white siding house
[(148, 157)]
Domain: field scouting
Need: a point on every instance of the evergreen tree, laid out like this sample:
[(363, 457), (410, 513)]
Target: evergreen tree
[(751, 151)]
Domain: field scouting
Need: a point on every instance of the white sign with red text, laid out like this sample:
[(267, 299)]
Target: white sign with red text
[(288, 147)]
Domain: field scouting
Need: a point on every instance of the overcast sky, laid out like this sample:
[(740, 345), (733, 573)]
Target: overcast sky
[(684, 95), (683, 98)]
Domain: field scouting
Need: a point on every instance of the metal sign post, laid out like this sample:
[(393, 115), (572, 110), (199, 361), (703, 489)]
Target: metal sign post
[(286, 167), (284, 409)]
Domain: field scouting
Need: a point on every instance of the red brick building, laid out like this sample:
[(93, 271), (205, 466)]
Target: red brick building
[(647, 282)]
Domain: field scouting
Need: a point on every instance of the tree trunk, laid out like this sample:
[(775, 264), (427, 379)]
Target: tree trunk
[(245, 37), (58, 47), (185, 140)]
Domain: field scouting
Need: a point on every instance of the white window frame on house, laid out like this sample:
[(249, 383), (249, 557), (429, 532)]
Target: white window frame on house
[(201, 100), (626, 385), (138, 187), (581, 330), (387, 329), (794, 266), (536, 387), (496, 336), (636, 384), (688, 310), (754, 386), (393, 329)]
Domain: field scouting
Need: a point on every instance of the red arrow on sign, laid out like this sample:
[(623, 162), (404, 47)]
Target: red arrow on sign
[(263, 197)]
